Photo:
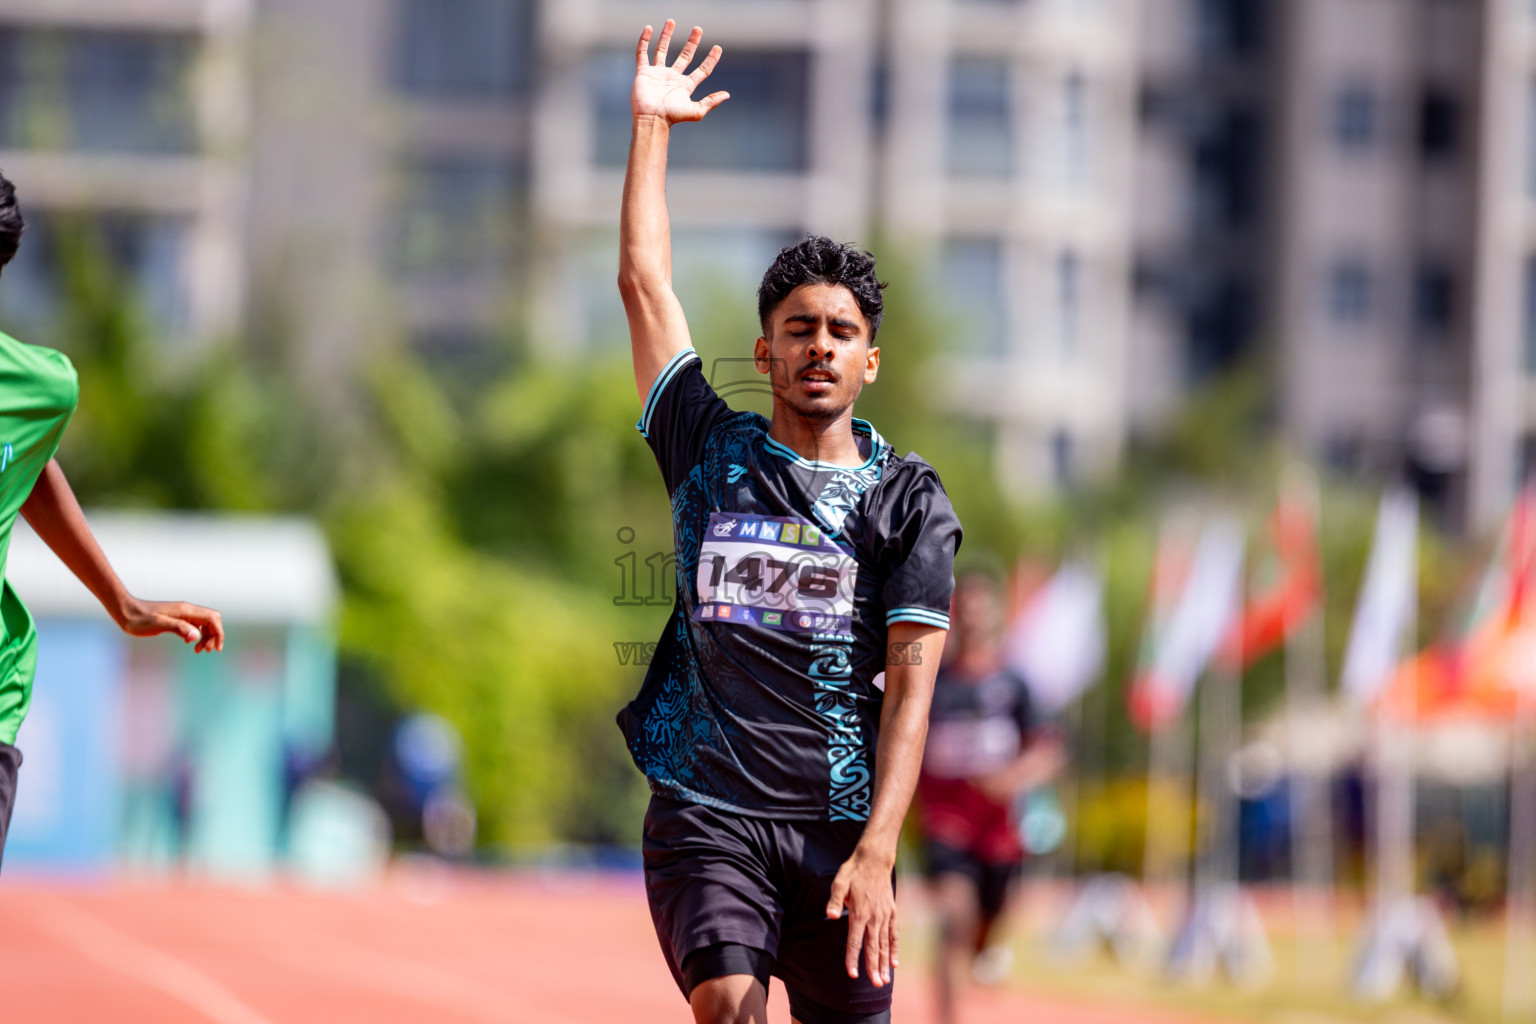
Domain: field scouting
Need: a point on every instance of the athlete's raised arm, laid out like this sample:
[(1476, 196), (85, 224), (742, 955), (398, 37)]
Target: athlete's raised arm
[(662, 96), (52, 511), (863, 883)]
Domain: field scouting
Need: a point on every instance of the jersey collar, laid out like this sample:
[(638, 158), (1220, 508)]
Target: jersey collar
[(876, 443)]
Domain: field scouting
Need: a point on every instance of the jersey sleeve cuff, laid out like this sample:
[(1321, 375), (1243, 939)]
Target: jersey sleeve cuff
[(919, 615), (659, 385)]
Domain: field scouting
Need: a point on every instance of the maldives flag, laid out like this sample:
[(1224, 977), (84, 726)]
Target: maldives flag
[(1184, 631), (1296, 587)]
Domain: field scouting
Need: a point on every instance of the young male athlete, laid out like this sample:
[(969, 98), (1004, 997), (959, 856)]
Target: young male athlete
[(38, 391), (810, 558), (985, 749)]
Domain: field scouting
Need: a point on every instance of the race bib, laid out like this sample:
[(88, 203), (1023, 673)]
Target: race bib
[(774, 571), (966, 748)]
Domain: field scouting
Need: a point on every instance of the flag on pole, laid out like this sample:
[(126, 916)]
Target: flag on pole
[(1207, 605), (1294, 595), (1484, 665), (1056, 644), (1386, 603)]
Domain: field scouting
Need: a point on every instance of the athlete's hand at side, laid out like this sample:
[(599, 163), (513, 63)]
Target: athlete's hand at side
[(52, 511), (863, 885), (193, 623), (663, 90)]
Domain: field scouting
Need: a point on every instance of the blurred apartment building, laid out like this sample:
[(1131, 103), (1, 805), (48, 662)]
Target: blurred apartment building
[(1113, 200)]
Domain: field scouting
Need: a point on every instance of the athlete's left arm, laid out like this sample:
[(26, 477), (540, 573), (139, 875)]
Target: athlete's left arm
[(54, 513), (863, 883)]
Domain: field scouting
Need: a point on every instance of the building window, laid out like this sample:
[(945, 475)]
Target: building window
[(1069, 299), (97, 91), (1229, 29), (143, 253), (1434, 299), (764, 127), (1530, 139), (974, 280), (1227, 161), (1439, 129), (1221, 315), (463, 48), (981, 123), (1074, 118), (458, 217), (1356, 113), (1530, 314), (1061, 458), (1349, 293)]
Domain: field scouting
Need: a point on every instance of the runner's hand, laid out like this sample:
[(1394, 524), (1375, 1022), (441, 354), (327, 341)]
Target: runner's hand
[(194, 624), (662, 90), (863, 885)]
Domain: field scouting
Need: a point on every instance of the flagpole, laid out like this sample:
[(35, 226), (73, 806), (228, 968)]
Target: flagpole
[(1221, 928), (1311, 803), (1520, 907), (1520, 902), (1405, 935), (1169, 767)]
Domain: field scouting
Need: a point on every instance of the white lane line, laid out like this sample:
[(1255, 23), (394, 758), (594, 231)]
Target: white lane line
[(153, 967)]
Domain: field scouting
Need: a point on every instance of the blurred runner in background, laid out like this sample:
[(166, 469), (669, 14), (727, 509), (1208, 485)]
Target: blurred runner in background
[(38, 392), (986, 750)]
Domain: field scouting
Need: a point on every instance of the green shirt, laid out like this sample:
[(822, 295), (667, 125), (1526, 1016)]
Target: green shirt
[(38, 392)]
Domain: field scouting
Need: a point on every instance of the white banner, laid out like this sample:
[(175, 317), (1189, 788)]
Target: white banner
[(1386, 604), (1056, 644)]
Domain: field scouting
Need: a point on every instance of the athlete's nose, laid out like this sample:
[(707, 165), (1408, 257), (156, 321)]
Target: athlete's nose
[(820, 346)]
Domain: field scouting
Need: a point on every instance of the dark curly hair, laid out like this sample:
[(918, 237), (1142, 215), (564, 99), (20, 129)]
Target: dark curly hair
[(817, 259), (11, 224)]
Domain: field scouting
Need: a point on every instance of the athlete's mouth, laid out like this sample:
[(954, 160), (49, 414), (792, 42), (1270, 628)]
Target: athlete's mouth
[(818, 379)]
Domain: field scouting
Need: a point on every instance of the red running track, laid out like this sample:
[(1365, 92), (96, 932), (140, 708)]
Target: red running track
[(420, 947)]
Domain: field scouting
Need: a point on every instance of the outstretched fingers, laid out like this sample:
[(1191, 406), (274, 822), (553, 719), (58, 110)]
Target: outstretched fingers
[(643, 48), (706, 66), (664, 42), (712, 101), (689, 48)]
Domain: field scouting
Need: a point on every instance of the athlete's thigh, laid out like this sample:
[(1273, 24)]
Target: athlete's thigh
[(813, 949), (707, 883)]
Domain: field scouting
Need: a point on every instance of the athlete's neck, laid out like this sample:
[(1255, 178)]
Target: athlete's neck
[(829, 441)]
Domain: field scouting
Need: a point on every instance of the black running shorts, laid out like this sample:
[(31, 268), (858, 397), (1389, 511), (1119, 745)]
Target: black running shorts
[(731, 894), (10, 764), (994, 881)]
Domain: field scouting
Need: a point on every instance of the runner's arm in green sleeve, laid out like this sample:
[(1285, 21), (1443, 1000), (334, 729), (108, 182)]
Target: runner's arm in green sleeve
[(54, 513), (863, 883)]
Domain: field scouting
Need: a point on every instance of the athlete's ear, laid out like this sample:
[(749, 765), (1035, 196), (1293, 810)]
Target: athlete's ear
[(871, 365), (760, 358)]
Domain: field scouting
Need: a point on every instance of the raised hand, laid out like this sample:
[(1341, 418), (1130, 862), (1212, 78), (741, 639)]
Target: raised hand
[(663, 90)]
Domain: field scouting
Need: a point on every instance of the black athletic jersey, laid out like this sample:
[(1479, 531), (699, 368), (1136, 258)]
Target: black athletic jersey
[(760, 697), (977, 726)]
